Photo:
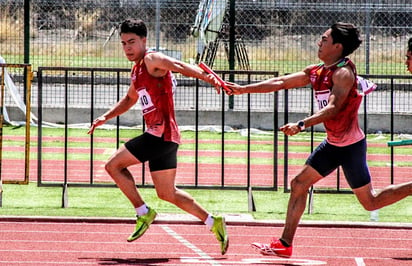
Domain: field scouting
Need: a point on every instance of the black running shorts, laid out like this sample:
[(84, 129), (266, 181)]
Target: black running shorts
[(326, 158), (160, 154)]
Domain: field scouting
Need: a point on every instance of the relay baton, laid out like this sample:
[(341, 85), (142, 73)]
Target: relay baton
[(210, 71), (400, 142)]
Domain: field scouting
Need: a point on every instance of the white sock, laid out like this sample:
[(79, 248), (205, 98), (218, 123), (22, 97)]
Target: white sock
[(142, 210), (209, 222)]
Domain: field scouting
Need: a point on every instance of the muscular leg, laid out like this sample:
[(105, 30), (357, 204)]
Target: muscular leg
[(164, 182), (117, 169), (297, 200), (372, 200)]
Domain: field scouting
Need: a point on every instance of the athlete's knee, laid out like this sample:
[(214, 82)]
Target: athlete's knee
[(298, 187), (113, 169), (109, 167), (367, 197), (166, 196), (301, 183), (369, 205), (176, 197), (369, 202)]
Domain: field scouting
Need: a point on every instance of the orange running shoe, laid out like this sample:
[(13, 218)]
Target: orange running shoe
[(275, 248)]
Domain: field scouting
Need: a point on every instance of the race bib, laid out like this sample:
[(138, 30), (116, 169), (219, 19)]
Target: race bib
[(323, 98), (146, 101)]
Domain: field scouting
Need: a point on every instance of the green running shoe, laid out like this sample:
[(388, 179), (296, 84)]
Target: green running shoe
[(142, 224), (219, 229)]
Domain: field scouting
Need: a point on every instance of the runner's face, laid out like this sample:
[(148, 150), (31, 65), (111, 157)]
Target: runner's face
[(134, 46), (408, 61), (327, 49)]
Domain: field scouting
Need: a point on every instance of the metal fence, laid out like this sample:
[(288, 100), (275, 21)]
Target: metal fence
[(256, 35), (92, 99), (390, 88), (93, 90), (278, 35), (88, 170)]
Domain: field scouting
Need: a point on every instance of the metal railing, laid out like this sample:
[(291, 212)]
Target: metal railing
[(225, 174)]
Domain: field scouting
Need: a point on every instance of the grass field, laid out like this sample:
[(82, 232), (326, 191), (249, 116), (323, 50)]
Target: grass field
[(209, 141), (109, 202), (30, 200)]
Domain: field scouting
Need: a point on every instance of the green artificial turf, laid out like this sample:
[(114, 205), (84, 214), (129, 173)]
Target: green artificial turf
[(31, 200)]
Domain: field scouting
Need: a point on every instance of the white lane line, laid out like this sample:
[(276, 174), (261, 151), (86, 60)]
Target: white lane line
[(265, 261), (360, 262), (205, 257)]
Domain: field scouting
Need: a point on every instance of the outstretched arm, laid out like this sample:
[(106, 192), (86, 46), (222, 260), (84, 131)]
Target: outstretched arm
[(295, 80), (158, 64)]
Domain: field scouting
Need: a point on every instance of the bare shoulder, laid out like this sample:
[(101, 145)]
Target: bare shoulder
[(153, 59), (157, 64), (344, 76), (343, 80), (307, 69), (344, 72)]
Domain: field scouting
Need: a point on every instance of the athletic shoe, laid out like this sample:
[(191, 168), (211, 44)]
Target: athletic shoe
[(219, 229), (275, 248), (142, 224)]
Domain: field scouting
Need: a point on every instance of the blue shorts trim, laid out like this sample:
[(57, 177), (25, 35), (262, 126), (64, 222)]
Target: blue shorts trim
[(327, 157)]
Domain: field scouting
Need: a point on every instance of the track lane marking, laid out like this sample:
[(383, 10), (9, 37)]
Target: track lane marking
[(203, 255), (263, 260), (360, 262)]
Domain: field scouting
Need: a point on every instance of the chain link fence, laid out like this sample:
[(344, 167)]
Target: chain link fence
[(271, 35), (277, 34)]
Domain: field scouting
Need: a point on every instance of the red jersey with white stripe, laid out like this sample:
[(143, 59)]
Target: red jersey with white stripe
[(343, 129), (156, 98)]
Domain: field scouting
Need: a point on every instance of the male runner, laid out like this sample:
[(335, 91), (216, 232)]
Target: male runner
[(152, 83), (335, 85)]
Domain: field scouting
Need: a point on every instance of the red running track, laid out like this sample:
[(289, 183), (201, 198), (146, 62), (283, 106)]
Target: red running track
[(103, 242), (209, 174)]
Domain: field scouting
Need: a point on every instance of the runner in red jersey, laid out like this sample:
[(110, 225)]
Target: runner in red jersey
[(335, 85), (152, 84), (156, 99), (343, 129)]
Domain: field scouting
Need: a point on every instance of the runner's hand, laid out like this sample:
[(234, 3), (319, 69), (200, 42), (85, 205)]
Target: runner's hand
[(235, 89), (214, 81), (97, 122), (290, 129)]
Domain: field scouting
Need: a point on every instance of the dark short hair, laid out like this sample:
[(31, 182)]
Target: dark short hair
[(347, 35), (136, 26), (410, 45)]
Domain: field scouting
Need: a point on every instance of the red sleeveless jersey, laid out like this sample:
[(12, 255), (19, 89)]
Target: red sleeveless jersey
[(156, 99), (343, 129)]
